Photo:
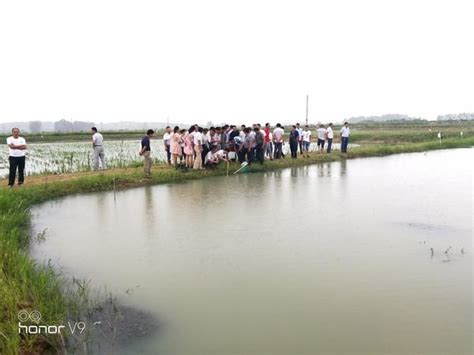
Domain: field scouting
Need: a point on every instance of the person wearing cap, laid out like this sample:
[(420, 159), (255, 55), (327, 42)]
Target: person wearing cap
[(345, 133), (97, 146), (16, 157)]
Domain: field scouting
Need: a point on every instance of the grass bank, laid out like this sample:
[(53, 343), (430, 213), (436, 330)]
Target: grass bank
[(27, 285)]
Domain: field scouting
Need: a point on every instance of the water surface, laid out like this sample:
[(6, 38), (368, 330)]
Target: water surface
[(325, 259)]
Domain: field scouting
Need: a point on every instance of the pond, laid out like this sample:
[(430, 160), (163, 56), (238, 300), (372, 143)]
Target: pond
[(367, 256)]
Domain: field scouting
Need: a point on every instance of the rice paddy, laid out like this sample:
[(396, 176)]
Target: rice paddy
[(61, 158)]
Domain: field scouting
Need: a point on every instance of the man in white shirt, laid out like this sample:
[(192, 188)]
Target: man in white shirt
[(330, 135), (278, 133), (242, 133), (16, 157), (345, 132), (221, 154), (214, 157), (321, 137), (300, 137), (97, 145), (167, 143), (306, 140), (198, 142)]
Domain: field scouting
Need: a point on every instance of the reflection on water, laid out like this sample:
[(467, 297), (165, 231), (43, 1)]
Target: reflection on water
[(326, 259)]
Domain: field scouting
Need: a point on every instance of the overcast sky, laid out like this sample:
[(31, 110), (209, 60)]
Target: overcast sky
[(239, 61)]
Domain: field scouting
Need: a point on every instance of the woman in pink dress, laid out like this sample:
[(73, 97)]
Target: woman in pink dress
[(188, 147), (175, 146)]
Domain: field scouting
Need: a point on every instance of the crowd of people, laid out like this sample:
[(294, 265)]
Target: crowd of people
[(199, 148)]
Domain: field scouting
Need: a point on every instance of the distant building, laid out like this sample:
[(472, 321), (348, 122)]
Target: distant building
[(456, 117), (63, 126)]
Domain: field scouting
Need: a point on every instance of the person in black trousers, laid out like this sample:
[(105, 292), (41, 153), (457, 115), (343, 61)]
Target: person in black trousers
[(294, 142), (16, 158), (259, 139)]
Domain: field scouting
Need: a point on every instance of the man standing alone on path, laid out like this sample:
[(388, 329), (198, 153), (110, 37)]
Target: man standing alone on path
[(167, 142), (330, 135), (146, 152), (16, 158), (97, 145), (345, 132)]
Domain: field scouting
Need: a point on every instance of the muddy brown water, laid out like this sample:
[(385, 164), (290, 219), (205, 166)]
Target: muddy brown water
[(326, 259)]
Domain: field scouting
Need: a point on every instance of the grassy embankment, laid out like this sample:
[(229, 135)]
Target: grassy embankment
[(26, 285)]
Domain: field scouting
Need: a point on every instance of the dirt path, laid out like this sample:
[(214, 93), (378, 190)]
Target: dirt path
[(48, 178)]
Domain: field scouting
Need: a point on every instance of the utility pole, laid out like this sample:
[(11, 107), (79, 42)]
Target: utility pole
[(307, 99)]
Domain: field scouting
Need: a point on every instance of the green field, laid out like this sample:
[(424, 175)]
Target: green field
[(366, 132)]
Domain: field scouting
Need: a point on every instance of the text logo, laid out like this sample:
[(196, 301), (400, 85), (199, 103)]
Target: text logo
[(35, 317)]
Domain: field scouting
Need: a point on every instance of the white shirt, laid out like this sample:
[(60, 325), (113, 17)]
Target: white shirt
[(197, 138), (278, 134), (97, 139), (216, 138), (209, 156), (321, 133), (307, 136), (300, 133), (330, 133), (345, 131), (231, 155), (16, 141), (220, 154), (166, 138)]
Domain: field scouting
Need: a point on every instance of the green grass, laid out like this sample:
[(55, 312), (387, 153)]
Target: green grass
[(27, 285), (50, 137), (409, 132)]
